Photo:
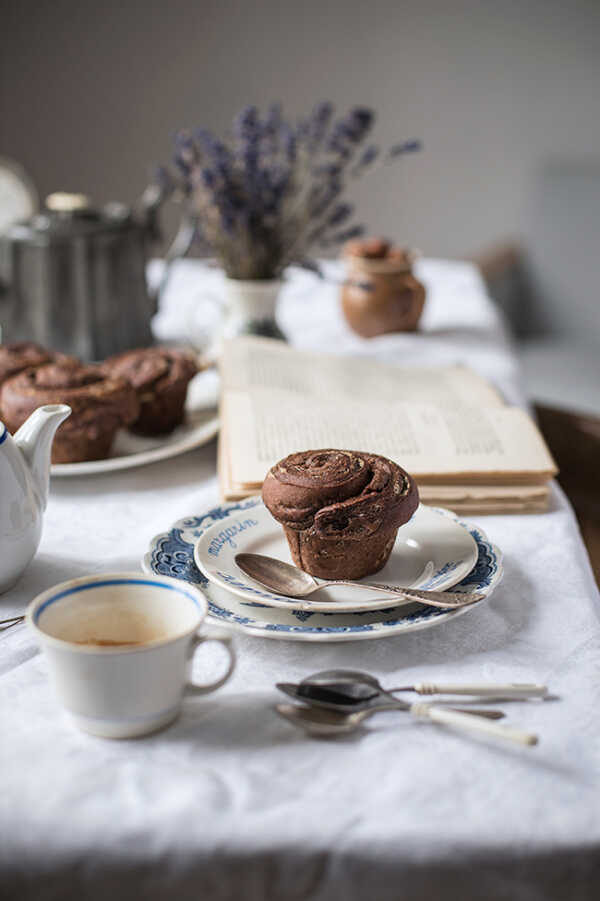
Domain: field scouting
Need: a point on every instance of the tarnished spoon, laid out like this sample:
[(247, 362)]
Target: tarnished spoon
[(318, 721), (356, 686), (290, 581), (321, 696)]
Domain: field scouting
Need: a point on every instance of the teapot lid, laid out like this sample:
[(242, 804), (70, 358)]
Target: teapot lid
[(67, 215)]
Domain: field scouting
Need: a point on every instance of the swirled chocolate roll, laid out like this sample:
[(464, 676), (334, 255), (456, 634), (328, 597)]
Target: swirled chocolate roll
[(340, 510), (19, 355), (160, 378), (100, 405)]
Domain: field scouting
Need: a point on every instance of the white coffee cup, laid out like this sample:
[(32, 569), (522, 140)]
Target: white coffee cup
[(119, 647)]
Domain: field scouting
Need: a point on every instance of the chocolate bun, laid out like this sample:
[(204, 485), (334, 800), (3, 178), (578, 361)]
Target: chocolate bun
[(340, 510), (160, 377), (20, 355), (100, 405)]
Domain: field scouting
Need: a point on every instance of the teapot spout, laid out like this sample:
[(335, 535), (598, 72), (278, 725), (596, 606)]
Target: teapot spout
[(34, 439)]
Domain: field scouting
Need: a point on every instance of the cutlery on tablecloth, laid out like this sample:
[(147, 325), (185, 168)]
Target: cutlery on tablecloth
[(293, 582), (322, 698), (353, 686), (10, 622), (318, 721)]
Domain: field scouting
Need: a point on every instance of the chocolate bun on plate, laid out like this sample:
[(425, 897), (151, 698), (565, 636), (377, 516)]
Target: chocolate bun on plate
[(19, 355), (160, 378), (340, 510), (100, 405)]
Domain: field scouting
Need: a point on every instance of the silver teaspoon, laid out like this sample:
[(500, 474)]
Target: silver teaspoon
[(293, 582), (318, 721), (358, 686)]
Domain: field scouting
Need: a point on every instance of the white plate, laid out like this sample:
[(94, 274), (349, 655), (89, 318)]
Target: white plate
[(200, 426), (431, 551), (172, 553)]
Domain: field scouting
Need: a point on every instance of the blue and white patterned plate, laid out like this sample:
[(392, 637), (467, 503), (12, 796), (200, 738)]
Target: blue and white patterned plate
[(172, 554), (430, 551)]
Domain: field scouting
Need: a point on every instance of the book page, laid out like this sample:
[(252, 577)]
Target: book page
[(248, 364), (482, 493), (498, 443), (468, 506)]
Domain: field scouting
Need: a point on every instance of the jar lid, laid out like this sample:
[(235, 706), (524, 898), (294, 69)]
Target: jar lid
[(401, 262)]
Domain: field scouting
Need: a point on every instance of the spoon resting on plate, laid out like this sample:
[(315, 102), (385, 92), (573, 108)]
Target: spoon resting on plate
[(293, 582)]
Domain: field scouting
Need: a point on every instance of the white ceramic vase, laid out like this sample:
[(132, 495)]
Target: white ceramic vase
[(250, 308)]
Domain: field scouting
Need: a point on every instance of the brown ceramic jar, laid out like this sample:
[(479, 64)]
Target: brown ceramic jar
[(380, 293)]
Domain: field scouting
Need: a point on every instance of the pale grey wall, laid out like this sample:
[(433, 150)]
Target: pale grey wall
[(505, 95)]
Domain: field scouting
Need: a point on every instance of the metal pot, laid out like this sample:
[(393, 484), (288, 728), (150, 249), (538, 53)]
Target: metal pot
[(73, 277)]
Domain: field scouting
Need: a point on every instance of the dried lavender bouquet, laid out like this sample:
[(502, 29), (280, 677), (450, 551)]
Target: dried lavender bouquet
[(270, 193)]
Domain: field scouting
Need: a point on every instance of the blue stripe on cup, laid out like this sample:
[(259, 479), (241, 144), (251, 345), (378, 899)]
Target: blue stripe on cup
[(104, 583)]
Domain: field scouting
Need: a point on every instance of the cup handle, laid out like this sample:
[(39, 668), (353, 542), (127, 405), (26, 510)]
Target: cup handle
[(224, 638)]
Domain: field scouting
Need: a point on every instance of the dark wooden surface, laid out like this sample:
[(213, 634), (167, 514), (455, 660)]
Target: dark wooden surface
[(574, 440)]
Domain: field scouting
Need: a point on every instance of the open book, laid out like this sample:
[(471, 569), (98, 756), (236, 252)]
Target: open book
[(446, 425)]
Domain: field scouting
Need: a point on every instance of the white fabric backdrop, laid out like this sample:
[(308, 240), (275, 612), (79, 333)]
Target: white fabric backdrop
[(234, 803)]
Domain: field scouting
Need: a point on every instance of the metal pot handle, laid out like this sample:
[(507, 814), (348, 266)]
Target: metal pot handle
[(179, 248), (151, 201)]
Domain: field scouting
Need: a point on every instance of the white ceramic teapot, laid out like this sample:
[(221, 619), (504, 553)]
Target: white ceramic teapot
[(24, 481)]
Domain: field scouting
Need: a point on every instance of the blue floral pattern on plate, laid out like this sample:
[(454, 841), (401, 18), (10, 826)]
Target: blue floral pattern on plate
[(172, 554)]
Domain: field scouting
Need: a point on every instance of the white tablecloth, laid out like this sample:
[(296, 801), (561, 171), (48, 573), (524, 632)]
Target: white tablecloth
[(233, 803)]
